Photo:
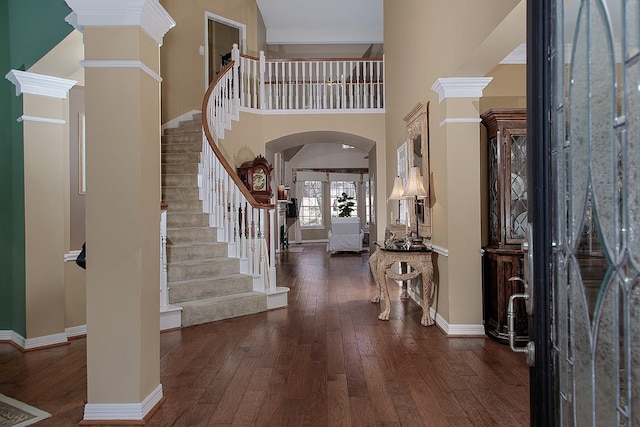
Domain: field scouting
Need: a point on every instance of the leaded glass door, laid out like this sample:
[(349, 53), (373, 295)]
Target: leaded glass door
[(588, 187)]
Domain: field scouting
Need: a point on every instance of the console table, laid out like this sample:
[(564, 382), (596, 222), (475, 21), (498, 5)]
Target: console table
[(420, 262)]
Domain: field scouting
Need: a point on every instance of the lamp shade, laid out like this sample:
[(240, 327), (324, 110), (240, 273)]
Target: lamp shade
[(415, 187), (398, 189)]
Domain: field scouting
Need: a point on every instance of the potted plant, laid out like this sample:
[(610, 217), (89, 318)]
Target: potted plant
[(345, 205)]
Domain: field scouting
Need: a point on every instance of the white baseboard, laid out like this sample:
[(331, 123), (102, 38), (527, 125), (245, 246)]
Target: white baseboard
[(170, 317), (33, 343), (173, 123), (458, 330), (76, 331), (122, 411), (278, 298), (45, 341), (14, 337)]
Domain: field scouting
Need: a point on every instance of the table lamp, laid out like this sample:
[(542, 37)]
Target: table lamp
[(415, 189), (397, 193)]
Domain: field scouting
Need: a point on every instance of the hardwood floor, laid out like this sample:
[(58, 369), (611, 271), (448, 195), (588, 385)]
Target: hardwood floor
[(325, 360)]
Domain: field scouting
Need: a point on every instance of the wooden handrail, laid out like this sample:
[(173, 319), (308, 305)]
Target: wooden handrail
[(255, 58), (230, 170)]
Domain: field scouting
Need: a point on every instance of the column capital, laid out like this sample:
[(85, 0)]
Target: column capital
[(40, 84), (460, 87), (146, 14)]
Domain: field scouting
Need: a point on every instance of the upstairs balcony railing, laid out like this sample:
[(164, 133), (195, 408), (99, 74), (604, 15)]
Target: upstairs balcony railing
[(294, 86)]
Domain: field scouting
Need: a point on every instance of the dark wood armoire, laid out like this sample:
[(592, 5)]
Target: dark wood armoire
[(508, 206)]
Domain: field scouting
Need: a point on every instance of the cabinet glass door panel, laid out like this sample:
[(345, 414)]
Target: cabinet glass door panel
[(517, 196)]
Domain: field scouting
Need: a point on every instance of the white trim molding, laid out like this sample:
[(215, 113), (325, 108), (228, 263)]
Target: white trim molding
[(45, 341), (122, 411), (517, 56), (76, 331), (457, 330), (120, 63), (460, 87), (440, 250), (40, 84), (460, 120), (12, 336), (72, 255), (146, 14), (25, 118), (173, 123)]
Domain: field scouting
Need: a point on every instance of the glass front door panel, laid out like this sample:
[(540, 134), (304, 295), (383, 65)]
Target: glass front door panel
[(596, 237)]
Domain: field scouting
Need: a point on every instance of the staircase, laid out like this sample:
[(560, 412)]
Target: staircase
[(201, 278)]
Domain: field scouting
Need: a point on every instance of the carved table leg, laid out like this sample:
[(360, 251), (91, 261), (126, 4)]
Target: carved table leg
[(404, 268), (374, 260), (382, 282), (426, 269)]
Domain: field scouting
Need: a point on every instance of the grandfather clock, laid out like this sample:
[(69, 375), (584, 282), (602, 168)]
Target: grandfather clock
[(256, 175), (508, 207)]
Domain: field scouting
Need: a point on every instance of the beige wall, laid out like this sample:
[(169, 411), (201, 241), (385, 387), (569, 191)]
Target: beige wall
[(454, 39), (46, 214), (181, 63), (75, 295)]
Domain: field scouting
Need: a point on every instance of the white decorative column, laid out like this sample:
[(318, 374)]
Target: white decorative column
[(456, 130), (46, 198), (122, 41)]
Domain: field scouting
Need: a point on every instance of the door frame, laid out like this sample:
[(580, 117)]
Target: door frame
[(539, 104), (242, 43)]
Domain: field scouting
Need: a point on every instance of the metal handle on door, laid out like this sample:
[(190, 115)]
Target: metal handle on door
[(529, 349)]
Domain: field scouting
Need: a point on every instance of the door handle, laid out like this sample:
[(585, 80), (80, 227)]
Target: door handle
[(530, 349)]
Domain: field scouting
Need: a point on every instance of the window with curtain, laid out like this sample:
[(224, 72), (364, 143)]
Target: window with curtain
[(310, 210), (336, 188)]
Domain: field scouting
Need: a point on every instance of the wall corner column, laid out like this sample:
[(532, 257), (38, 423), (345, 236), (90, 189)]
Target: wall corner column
[(46, 199), (122, 110), (457, 128)]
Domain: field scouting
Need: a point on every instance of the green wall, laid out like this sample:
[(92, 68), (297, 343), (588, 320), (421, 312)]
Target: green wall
[(28, 30)]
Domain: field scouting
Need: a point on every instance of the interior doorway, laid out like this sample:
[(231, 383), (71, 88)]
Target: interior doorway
[(220, 35)]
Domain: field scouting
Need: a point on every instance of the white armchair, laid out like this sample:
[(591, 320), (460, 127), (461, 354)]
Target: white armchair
[(345, 235)]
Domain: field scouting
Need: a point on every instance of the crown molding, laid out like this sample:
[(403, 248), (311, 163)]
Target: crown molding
[(460, 87), (146, 14), (39, 84)]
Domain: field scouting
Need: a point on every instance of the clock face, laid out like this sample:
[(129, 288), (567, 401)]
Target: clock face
[(259, 180)]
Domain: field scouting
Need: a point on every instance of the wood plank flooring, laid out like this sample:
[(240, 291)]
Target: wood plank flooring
[(325, 360)]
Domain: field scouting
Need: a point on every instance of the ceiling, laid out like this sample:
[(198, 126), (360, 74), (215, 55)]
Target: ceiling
[(328, 28)]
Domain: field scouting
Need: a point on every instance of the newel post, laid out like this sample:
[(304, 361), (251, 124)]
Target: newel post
[(263, 62), (272, 250)]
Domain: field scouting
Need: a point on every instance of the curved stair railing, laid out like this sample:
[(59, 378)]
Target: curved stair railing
[(241, 221)]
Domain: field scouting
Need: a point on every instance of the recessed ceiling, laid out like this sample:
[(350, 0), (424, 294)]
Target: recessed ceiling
[(322, 22)]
